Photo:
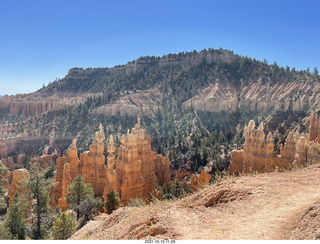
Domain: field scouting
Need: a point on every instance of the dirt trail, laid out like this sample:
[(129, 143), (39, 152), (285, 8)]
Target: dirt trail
[(272, 209), (264, 206)]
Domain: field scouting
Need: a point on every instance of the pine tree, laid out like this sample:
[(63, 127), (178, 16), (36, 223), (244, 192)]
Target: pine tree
[(3, 180), (15, 221), (63, 227), (5, 233), (112, 201), (39, 191), (176, 190), (89, 207), (78, 191)]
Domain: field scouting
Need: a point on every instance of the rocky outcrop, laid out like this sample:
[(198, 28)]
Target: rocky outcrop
[(137, 167), (26, 105), (257, 96), (92, 166), (215, 98), (183, 177), (66, 180), (19, 176), (257, 153), (112, 183), (72, 160), (314, 127), (8, 162), (132, 174), (199, 181), (142, 102), (40, 102), (163, 173)]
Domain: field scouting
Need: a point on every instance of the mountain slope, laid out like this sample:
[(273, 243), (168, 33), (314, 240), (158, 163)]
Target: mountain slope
[(265, 206), (193, 104)]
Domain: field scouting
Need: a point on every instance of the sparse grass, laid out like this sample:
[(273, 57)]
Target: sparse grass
[(137, 202)]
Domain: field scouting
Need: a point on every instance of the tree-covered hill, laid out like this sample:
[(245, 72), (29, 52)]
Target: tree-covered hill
[(193, 138)]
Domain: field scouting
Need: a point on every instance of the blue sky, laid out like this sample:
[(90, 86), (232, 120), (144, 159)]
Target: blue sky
[(41, 40)]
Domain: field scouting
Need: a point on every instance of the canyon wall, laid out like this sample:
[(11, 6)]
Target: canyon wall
[(22, 105), (40, 102)]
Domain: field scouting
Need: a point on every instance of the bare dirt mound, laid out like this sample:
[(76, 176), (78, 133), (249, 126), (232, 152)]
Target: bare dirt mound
[(309, 226), (265, 206)]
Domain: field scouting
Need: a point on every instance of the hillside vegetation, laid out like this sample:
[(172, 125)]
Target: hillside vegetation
[(193, 137)]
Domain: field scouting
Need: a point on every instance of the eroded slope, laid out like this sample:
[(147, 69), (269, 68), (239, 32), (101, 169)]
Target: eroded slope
[(265, 206)]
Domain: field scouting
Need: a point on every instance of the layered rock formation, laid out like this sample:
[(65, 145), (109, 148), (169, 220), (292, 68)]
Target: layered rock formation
[(257, 96), (23, 105), (257, 153), (19, 176), (134, 175), (64, 187), (72, 160), (92, 166), (314, 128), (136, 167), (40, 102), (142, 102)]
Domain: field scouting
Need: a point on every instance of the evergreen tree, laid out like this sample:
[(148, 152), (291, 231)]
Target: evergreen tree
[(89, 207), (3, 180), (39, 190), (78, 191), (5, 233), (63, 227), (176, 190), (112, 202), (15, 221)]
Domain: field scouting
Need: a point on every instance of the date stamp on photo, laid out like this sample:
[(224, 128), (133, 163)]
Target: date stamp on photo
[(160, 241)]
